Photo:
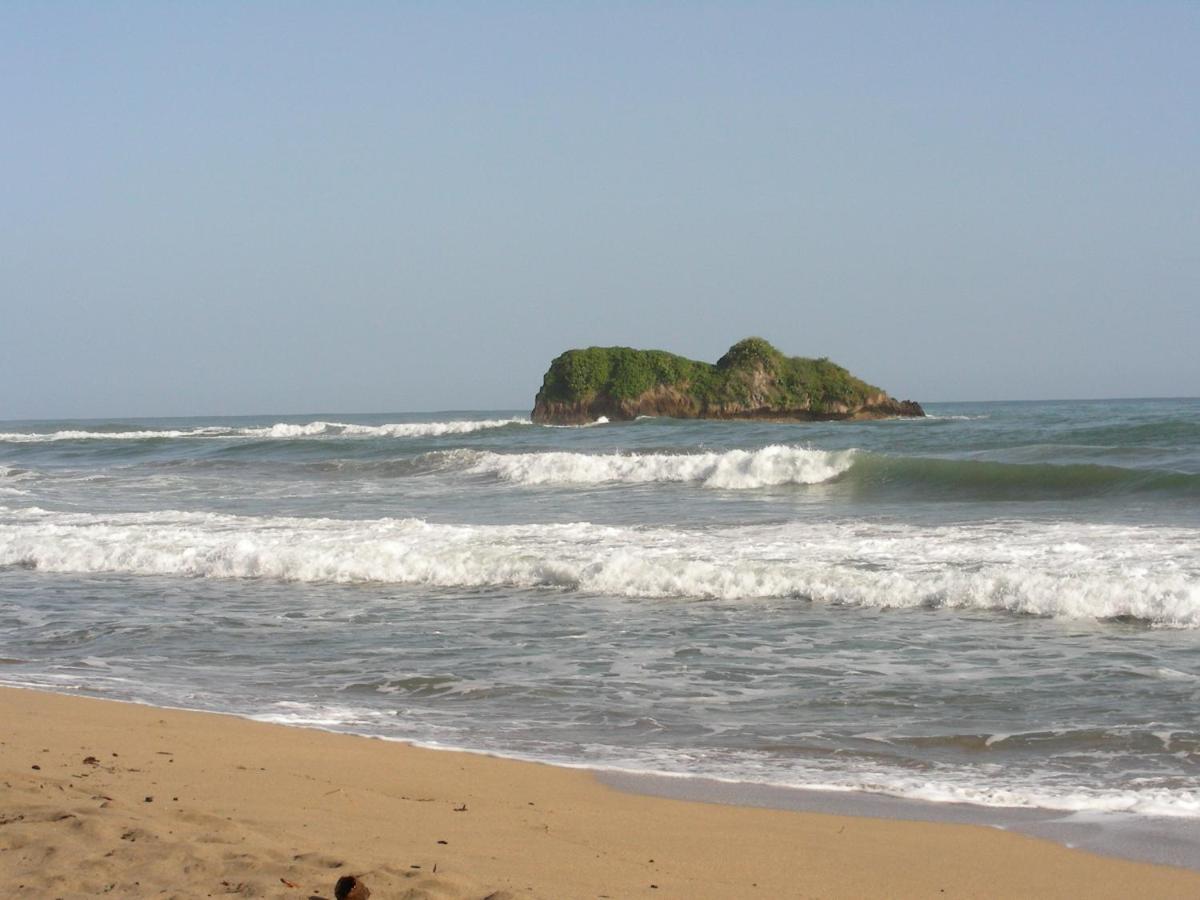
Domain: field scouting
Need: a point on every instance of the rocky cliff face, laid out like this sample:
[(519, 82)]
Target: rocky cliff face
[(751, 381)]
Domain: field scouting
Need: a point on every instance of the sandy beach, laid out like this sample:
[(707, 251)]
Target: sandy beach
[(114, 798)]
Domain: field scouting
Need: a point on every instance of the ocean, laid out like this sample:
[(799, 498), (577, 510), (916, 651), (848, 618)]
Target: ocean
[(996, 606)]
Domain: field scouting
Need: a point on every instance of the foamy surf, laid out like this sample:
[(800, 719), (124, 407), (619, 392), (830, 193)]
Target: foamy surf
[(733, 470), (859, 473), (1062, 571), (849, 775)]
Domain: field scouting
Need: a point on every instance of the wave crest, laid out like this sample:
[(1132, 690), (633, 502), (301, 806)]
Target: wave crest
[(1064, 570), (733, 470), (398, 429)]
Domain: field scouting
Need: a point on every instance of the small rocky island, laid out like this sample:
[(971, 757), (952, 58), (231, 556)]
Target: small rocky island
[(752, 380)]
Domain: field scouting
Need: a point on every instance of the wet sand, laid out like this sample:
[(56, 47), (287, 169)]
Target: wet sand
[(1169, 841), (114, 798)]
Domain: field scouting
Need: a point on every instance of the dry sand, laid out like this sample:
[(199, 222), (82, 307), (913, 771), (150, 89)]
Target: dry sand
[(101, 797)]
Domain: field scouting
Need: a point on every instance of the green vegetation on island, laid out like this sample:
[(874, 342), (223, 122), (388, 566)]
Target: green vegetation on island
[(752, 380)]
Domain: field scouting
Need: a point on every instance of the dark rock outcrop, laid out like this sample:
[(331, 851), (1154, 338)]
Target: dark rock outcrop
[(751, 381)]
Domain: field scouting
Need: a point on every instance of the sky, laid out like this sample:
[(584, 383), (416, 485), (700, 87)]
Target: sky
[(249, 208)]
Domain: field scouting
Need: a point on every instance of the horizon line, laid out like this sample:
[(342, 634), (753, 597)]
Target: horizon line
[(509, 409)]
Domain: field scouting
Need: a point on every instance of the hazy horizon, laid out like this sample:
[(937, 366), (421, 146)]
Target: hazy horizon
[(219, 211)]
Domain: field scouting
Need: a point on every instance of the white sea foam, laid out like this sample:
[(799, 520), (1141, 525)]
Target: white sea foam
[(1145, 801), (278, 430), (844, 774), (1150, 574), (731, 470), (399, 429)]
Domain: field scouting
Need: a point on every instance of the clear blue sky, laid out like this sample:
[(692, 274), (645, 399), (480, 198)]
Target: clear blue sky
[(220, 208)]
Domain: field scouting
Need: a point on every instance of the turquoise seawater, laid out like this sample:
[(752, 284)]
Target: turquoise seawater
[(997, 605)]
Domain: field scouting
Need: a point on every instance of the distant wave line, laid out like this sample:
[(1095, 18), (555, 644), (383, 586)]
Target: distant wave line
[(280, 430)]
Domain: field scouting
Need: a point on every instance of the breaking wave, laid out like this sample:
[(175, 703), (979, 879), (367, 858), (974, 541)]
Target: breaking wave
[(1066, 570), (732, 470), (856, 470)]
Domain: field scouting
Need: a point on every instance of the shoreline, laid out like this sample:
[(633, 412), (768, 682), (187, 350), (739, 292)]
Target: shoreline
[(138, 800), (1158, 840), (1137, 837)]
